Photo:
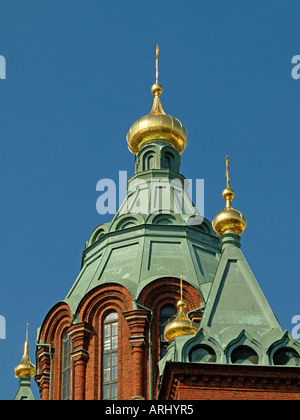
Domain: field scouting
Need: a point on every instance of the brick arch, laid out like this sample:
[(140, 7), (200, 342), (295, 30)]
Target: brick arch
[(48, 353), (155, 295), (56, 321), (90, 312), (167, 290), (102, 298)]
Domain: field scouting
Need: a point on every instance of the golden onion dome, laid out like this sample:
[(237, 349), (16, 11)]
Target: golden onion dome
[(157, 126), (229, 219), (181, 325), (25, 369)]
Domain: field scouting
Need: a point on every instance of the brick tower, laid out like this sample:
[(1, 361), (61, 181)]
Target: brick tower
[(104, 339)]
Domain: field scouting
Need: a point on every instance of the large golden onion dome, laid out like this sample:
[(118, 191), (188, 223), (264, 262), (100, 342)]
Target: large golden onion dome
[(181, 325), (229, 219), (25, 369), (157, 126)]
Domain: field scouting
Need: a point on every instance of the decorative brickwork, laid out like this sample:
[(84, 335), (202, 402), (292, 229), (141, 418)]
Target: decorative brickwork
[(85, 331), (50, 349), (200, 381)]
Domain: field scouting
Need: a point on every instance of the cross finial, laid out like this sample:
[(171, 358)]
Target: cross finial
[(181, 286), (226, 171), (156, 62), (27, 333)]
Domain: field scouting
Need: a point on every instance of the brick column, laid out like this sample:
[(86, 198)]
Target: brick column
[(80, 335), (138, 321), (43, 379)]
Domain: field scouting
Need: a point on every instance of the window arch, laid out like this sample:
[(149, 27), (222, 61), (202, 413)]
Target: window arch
[(286, 356), (149, 160), (110, 356), (167, 314), (244, 355), (65, 369), (202, 354)]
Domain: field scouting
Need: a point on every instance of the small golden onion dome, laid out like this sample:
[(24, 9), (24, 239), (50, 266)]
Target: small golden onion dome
[(229, 219), (157, 126), (25, 369), (181, 325)]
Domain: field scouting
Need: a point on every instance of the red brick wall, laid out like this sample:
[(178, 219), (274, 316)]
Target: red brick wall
[(155, 295), (180, 381), (86, 337), (199, 381)]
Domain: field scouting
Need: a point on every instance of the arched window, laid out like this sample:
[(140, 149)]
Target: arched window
[(150, 162), (168, 161), (65, 371), (286, 356), (110, 356), (167, 314), (244, 355), (202, 354)]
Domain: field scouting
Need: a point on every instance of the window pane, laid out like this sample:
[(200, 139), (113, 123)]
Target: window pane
[(106, 360), (114, 329), (114, 342), (114, 373), (114, 359), (114, 391), (66, 378), (107, 330), (107, 344), (106, 375), (106, 392)]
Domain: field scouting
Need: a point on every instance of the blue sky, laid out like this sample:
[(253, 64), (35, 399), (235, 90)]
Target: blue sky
[(79, 74)]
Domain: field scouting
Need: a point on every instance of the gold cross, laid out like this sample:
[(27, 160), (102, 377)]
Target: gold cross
[(156, 62), (226, 171), (27, 333)]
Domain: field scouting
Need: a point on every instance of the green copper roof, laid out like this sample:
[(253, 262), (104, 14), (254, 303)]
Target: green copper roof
[(238, 325), (235, 299), (145, 240), (24, 391)]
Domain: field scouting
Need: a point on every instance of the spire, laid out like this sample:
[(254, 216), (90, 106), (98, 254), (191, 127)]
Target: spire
[(157, 126), (181, 325), (229, 220), (25, 368)]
